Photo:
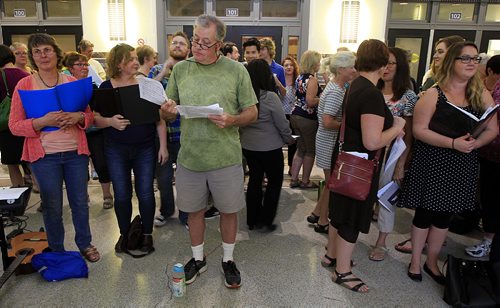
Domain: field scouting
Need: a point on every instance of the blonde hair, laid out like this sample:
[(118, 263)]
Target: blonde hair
[(269, 44), (117, 54), (309, 61)]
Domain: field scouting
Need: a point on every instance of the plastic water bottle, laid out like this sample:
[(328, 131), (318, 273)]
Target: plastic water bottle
[(178, 281)]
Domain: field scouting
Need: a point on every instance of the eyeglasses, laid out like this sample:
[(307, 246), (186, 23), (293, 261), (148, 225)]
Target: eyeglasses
[(81, 64), (21, 53), (466, 59), (391, 63), (174, 43), (46, 51), (201, 45)]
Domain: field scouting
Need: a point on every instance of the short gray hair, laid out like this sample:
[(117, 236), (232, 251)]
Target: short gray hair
[(341, 59), (205, 21), (484, 58)]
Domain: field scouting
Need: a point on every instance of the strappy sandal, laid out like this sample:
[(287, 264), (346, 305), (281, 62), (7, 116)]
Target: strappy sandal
[(312, 219), (401, 247), (378, 253), (107, 203), (342, 281), (91, 254), (294, 183), (308, 185), (333, 262), (321, 228)]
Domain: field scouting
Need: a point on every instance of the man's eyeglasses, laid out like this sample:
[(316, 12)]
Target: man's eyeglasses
[(46, 51), (21, 53), (81, 64), (201, 45), (466, 59)]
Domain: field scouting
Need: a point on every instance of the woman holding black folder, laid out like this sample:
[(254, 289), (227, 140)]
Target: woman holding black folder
[(55, 155), (131, 147), (443, 174)]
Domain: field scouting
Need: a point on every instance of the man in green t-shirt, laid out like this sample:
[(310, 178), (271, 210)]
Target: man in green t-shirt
[(209, 160)]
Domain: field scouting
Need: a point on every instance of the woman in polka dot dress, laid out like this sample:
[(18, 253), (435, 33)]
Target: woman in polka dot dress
[(443, 174)]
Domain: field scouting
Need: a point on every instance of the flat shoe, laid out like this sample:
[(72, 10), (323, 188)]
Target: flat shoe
[(308, 185), (401, 247), (440, 279), (342, 280), (378, 253), (294, 183), (91, 254), (321, 229), (312, 219), (413, 276)]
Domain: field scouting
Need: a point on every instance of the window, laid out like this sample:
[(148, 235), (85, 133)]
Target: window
[(279, 8), (493, 13), (494, 47), (233, 8), (408, 10), (186, 8), (20, 8), (349, 22), (116, 20), (456, 12), (293, 46), (63, 8)]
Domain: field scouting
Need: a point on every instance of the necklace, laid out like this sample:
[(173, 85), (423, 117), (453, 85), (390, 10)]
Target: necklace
[(57, 81)]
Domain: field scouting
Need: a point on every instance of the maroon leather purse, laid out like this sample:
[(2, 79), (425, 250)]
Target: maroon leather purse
[(352, 176)]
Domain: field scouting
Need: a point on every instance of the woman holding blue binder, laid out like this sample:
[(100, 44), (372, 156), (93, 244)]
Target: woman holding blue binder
[(131, 147), (56, 155)]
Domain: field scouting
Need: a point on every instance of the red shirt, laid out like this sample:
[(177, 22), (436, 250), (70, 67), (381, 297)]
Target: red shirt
[(20, 126)]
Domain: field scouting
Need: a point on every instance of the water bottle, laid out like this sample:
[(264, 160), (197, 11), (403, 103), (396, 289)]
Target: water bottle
[(178, 281)]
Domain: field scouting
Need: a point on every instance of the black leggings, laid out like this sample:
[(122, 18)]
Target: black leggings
[(347, 232), (495, 249), (425, 218)]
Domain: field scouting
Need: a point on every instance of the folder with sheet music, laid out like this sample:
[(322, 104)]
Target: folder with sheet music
[(69, 97), (127, 102)]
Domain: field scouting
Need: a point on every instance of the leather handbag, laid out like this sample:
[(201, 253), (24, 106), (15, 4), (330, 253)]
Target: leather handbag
[(5, 105), (352, 176), (472, 283)]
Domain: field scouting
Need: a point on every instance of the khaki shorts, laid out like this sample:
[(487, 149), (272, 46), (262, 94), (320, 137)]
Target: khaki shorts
[(306, 129), (225, 184)]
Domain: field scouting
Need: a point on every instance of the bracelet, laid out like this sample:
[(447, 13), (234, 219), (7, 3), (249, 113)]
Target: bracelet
[(82, 117), (453, 144)]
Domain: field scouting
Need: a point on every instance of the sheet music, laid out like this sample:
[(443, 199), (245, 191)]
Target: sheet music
[(388, 196), (7, 193), (95, 77), (190, 112), (152, 91), (398, 148)]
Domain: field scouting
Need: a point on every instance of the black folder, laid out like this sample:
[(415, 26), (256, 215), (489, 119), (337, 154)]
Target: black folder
[(127, 102)]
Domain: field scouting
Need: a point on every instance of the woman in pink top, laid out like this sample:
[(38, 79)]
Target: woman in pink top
[(56, 155)]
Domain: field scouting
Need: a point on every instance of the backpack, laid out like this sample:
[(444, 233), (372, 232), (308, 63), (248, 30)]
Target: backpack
[(5, 106)]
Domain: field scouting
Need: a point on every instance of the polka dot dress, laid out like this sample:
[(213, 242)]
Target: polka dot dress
[(441, 179)]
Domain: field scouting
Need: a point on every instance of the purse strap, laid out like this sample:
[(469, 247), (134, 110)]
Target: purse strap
[(342, 128), (5, 82)]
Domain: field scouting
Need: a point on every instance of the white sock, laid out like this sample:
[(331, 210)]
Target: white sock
[(198, 252), (228, 251)]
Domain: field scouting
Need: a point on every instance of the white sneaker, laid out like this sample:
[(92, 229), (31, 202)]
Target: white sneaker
[(160, 221), (479, 250)]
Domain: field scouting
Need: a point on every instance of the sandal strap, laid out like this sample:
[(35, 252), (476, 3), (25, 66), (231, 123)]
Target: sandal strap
[(330, 259), (358, 286)]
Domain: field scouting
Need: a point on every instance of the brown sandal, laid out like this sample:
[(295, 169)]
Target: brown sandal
[(107, 203), (91, 254)]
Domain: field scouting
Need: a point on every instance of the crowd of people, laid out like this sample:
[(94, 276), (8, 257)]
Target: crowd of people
[(266, 106)]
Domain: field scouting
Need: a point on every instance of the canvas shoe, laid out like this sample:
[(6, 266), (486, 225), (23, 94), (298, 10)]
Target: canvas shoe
[(160, 221), (232, 277), (479, 250), (194, 268)]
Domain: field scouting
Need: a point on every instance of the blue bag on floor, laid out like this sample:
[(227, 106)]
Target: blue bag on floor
[(57, 266)]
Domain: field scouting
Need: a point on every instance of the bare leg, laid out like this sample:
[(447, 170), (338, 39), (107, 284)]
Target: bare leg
[(16, 177), (381, 239), (296, 165), (307, 163), (228, 227), (418, 238), (435, 241), (323, 202), (331, 248), (344, 256), (196, 222)]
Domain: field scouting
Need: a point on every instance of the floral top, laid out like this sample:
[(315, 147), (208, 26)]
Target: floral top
[(491, 151), (288, 101), (301, 107), (404, 106)]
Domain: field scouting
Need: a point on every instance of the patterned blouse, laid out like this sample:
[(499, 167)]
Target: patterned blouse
[(301, 107), (288, 101)]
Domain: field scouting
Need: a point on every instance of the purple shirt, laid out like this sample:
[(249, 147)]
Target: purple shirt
[(13, 75)]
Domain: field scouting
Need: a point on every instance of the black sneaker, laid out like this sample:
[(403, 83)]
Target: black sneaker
[(212, 213), (194, 268), (121, 245), (232, 277)]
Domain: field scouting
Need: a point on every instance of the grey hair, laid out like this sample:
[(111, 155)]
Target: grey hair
[(205, 21), (484, 58), (16, 45), (341, 59)]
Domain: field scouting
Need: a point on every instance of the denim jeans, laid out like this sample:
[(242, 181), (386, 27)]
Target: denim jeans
[(164, 177), (122, 159), (50, 172)]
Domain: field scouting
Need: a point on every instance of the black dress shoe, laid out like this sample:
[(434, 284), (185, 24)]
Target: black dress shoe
[(147, 243), (121, 245), (321, 228), (268, 228), (413, 276), (437, 278)]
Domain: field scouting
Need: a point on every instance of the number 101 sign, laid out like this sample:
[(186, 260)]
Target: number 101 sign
[(232, 12)]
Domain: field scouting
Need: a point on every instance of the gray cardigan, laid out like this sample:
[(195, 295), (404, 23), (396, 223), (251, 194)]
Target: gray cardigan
[(271, 130)]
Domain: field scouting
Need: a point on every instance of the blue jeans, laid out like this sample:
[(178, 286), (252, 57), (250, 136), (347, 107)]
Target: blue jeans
[(50, 171), (121, 160)]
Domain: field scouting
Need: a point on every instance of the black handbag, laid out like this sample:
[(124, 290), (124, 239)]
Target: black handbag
[(471, 283)]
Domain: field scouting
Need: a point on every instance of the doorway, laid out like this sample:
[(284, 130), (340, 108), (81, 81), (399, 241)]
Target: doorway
[(67, 37)]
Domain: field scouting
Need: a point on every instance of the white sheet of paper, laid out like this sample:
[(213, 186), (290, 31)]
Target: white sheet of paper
[(295, 136), (398, 148), (152, 91), (95, 77), (190, 112), (7, 193)]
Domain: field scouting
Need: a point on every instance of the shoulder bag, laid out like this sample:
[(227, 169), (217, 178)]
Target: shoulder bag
[(352, 176), (5, 106)]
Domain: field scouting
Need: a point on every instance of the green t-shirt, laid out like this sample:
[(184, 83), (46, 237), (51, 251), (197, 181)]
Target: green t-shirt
[(204, 146)]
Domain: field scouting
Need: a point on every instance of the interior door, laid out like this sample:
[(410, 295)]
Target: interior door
[(416, 42), (67, 37)]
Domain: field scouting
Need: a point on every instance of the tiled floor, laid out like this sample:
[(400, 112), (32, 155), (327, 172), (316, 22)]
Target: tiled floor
[(278, 269)]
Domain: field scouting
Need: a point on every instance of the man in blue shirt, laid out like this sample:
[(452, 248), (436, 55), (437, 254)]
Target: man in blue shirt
[(267, 52)]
